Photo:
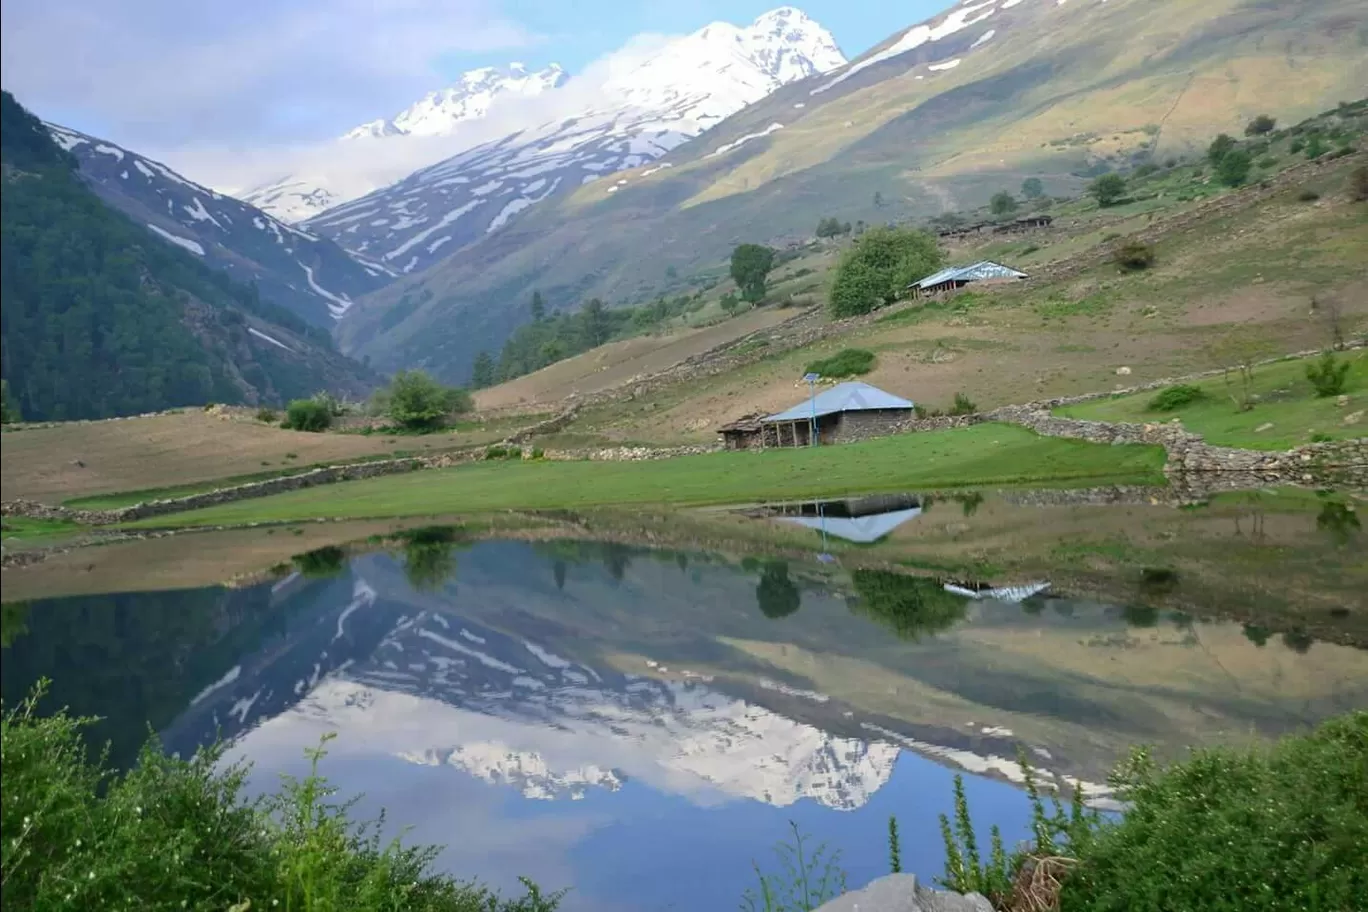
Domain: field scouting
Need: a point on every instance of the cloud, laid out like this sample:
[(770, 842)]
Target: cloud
[(355, 167), (166, 72)]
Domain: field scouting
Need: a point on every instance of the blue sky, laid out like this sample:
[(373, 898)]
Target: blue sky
[(158, 75)]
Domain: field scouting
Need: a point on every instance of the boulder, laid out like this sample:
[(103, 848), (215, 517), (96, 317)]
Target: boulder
[(903, 893)]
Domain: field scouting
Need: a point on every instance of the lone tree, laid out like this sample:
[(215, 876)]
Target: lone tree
[(1108, 188), (1220, 147), (828, 227), (1260, 125), (418, 402), (1032, 188), (595, 323), (1233, 168), (1003, 203), (879, 266), (750, 269), (538, 307), (482, 371)]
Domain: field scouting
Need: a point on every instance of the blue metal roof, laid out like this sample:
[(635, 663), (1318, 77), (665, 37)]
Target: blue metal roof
[(981, 270), (845, 397)]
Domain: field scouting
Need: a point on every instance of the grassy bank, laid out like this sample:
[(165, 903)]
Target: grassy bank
[(173, 834), (981, 455), (1287, 413)]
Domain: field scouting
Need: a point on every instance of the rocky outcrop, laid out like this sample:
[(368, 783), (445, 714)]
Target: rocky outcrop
[(904, 893)]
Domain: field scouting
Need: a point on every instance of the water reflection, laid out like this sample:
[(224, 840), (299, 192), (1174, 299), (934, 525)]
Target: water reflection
[(620, 718)]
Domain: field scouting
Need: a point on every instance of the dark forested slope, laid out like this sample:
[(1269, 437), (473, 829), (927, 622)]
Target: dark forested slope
[(100, 318)]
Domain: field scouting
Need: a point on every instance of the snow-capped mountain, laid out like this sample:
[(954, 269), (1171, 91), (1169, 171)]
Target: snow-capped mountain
[(296, 269), (473, 96), (636, 116)]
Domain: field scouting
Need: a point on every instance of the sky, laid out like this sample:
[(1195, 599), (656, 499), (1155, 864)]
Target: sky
[(155, 74)]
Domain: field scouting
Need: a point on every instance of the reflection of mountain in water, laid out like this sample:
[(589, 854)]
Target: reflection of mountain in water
[(380, 653)]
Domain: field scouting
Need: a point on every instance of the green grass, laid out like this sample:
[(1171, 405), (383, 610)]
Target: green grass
[(174, 834), (984, 454), (20, 531), (1287, 401)]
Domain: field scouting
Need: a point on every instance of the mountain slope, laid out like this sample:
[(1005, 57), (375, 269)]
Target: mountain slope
[(939, 117), (309, 275), (640, 115), (102, 318)]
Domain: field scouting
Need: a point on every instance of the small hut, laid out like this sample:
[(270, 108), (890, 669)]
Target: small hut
[(957, 277), (846, 412), (743, 433)]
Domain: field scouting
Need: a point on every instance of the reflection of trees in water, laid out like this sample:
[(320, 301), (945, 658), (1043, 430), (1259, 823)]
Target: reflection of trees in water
[(430, 556), (13, 621), (133, 659), (1338, 520), (910, 606), (777, 594), (969, 503), (1298, 641), (1140, 615), (558, 570), (321, 563)]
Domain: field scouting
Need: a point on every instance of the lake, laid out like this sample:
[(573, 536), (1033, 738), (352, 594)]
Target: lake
[(642, 723)]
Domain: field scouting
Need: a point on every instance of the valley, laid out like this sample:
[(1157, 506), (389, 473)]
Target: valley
[(692, 438)]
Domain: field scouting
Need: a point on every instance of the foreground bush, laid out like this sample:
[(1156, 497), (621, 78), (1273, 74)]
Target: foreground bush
[(1225, 830), (881, 264), (1282, 829), (419, 403), (1328, 375), (173, 834)]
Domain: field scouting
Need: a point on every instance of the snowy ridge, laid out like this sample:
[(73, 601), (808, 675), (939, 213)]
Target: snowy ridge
[(295, 268), (638, 116)]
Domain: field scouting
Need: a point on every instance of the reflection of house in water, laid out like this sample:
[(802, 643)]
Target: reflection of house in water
[(862, 520), (1011, 594)]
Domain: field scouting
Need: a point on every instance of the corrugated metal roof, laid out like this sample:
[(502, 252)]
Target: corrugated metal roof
[(845, 397), (981, 270), (860, 529)]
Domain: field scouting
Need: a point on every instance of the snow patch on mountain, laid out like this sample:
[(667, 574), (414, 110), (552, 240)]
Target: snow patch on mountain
[(193, 246), (638, 114), (955, 21)]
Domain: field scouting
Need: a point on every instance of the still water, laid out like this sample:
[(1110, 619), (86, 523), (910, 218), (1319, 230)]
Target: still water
[(641, 724)]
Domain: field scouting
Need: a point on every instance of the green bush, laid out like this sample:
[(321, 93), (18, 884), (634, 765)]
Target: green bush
[(267, 415), (849, 362), (1175, 397), (963, 405), (1233, 169), (420, 403), (879, 267), (179, 834), (1308, 196), (1328, 375), (1134, 257), (1228, 830), (1108, 189), (1358, 184), (307, 415)]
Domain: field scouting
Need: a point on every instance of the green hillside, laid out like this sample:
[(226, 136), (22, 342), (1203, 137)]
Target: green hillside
[(101, 319), (1062, 93)]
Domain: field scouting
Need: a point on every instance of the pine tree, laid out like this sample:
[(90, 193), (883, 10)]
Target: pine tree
[(538, 307), (482, 373)]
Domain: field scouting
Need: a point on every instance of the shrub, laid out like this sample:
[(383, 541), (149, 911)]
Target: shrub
[(1175, 397), (1108, 189), (1003, 203), (181, 834), (1308, 196), (1134, 256), (1297, 145), (849, 362), (880, 265), (1260, 125), (1328, 375), (418, 402), (1255, 831), (307, 415), (1315, 146), (1233, 168), (1358, 184), (267, 415), (1146, 170), (1220, 147), (963, 405)]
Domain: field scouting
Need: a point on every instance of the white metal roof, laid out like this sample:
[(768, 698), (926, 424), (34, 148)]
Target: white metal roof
[(861, 529), (853, 396), (985, 269)]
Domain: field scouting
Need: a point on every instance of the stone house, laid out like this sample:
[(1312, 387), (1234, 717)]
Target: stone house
[(845, 413)]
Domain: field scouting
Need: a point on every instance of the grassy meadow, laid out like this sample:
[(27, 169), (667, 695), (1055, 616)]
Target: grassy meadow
[(985, 454)]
